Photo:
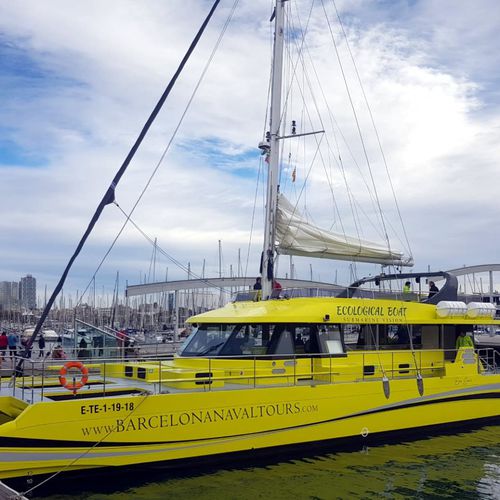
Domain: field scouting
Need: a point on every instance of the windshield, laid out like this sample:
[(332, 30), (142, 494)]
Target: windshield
[(207, 340)]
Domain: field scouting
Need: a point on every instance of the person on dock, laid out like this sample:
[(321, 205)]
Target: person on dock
[(3, 345), (26, 347), (58, 353), (41, 346), (82, 348), (12, 343)]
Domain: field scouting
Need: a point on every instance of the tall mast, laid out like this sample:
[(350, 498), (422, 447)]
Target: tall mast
[(272, 146)]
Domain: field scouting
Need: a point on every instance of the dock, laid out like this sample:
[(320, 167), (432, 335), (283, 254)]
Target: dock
[(7, 493)]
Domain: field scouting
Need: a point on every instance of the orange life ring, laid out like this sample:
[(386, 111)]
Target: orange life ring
[(73, 386)]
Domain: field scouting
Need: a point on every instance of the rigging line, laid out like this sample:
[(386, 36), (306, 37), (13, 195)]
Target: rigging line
[(305, 181), (153, 257), (334, 124), (318, 141), (292, 77), (174, 134), (377, 348), (109, 196), (86, 452), (163, 252), (374, 126), (372, 195), (253, 213), (358, 128), (300, 58)]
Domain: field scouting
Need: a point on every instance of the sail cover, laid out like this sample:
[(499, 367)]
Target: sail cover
[(296, 236)]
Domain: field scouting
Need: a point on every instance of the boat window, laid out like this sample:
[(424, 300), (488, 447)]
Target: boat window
[(247, 339), (208, 340), (330, 340), (351, 334), (282, 340), (386, 337), (302, 335), (366, 337)]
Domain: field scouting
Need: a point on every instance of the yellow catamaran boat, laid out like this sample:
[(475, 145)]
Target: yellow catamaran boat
[(256, 375), (272, 369)]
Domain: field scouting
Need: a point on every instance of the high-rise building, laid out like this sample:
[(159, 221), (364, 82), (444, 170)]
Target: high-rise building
[(9, 294), (27, 292)]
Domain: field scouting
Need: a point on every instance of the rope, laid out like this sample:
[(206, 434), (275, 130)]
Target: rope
[(374, 127), (365, 153), (85, 453), (109, 196), (164, 253), (167, 148)]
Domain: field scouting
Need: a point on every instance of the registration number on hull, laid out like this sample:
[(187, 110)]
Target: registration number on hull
[(106, 408)]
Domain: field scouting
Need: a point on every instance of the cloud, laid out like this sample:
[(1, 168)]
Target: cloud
[(80, 80)]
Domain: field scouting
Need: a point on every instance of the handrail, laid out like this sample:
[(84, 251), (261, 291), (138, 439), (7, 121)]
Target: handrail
[(329, 369)]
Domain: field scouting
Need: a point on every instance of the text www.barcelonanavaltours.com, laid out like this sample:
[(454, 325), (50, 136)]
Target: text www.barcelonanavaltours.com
[(196, 417)]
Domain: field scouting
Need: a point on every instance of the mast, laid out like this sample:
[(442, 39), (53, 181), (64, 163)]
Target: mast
[(272, 147)]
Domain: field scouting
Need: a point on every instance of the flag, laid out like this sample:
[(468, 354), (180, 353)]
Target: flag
[(294, 173)]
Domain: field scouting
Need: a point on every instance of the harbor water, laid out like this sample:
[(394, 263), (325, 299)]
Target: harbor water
[(464, 465)]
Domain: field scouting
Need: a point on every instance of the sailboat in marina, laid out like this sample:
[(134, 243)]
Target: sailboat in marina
[(269, 371)]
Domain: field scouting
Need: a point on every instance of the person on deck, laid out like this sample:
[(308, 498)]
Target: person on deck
[(464, 340), (433, 289), (257, 286), (277, 288), (407, 288)]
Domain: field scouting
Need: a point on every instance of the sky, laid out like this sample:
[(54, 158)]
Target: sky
[(79, 79)]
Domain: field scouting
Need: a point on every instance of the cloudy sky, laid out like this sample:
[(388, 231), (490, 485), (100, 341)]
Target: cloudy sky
[(79, 80)]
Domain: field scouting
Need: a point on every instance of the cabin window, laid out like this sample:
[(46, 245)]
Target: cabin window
[(367, 336), (208, 340), (390, 337), (246, 340), (330, 339), (282, 340), (351, 335)]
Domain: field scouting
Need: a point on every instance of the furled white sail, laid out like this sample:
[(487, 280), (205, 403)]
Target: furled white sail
[(296, 236)]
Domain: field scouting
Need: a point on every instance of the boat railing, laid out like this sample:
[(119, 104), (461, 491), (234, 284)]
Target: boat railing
[(489, 359), (40, 379), (96, 353), (313, 292)]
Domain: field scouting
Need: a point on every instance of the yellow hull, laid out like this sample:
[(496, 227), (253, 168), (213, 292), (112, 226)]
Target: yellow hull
[(118, 431)]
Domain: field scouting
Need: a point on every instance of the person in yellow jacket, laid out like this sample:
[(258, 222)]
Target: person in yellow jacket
[(464, 340)]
